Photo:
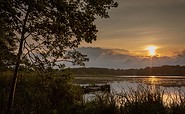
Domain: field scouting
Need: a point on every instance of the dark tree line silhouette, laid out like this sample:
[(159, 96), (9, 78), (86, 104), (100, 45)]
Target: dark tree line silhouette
[(165, 70)]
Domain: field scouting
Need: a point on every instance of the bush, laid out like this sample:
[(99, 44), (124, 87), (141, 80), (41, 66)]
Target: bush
[(52, 93)]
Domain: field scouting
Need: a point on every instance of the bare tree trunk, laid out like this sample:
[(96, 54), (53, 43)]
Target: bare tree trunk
[(13, 86), (18, 61)]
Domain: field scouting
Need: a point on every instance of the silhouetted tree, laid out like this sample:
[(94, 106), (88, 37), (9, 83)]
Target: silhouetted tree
[(48, 31)]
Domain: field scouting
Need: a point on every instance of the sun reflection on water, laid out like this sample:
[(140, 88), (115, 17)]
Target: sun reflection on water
[(153, 80)]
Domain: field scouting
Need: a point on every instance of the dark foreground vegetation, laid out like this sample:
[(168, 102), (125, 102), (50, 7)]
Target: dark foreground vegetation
[(56, 94), (165, 70)]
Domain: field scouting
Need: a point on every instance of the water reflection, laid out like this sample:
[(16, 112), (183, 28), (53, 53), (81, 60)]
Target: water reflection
[(170, 88), (152, 85), (153, 80)]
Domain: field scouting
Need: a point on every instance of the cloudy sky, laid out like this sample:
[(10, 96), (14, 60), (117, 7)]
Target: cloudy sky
[(133, 26)]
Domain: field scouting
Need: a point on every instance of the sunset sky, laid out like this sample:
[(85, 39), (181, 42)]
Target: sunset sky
[(136, 24)]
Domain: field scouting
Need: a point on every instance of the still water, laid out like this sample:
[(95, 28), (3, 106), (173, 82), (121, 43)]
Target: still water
[(171, 86)]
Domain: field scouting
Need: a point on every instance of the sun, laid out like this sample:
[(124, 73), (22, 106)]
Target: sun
[(151, 50)]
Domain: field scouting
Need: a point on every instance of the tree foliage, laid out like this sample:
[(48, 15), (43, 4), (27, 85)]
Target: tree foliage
[(165, 70), (50, 30), (7, 43)]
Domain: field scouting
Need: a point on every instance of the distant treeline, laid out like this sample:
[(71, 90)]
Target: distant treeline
[(157, 71)]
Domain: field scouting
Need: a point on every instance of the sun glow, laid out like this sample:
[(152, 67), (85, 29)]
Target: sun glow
[(152, 50)]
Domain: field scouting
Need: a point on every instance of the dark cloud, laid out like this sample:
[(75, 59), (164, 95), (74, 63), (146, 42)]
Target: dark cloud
[(95, 52), (107, 58)]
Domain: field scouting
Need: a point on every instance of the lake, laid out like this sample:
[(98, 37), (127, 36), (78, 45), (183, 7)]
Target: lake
[(171, 86)]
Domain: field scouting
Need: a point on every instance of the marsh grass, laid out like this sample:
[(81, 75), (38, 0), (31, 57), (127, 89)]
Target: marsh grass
[(140, 101)]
